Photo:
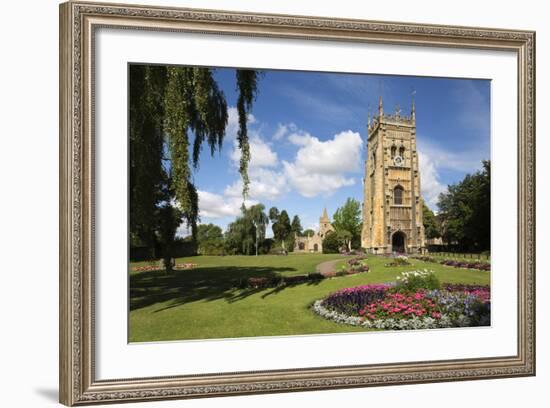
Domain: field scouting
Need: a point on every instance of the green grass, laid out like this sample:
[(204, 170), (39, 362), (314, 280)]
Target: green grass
[(203, 303)]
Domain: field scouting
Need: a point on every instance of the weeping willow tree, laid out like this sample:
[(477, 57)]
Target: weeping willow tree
[(174, 111)]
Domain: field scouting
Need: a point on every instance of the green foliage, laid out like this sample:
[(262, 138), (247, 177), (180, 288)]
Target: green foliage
[(466, 211), (332, 243), (308, 232), (273, 214), (210, 239), (246, 234), (170, 220), (280, 224), (431, 227), (147, 177), (167, 106), (194, 103), (296, 226), (418, 280), (347, 221), (259, 220), (247, 84), (266, 245)]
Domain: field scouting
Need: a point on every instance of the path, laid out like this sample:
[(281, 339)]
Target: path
[(327, 267)]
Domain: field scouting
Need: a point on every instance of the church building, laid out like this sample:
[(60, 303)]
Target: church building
[(314, 242), (392, 207)]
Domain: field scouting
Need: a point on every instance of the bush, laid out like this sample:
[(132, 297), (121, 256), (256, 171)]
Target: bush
[(400, 260), (278, 251), (418, 280), (331, 244)]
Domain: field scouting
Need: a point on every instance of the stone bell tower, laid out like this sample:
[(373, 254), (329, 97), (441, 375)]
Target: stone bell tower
[(392, 207)]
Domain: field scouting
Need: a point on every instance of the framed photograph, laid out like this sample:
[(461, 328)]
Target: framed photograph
[(256, 203)]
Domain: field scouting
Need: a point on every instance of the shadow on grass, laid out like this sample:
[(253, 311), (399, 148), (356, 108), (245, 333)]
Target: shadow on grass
[(201, 284), (278, 289)]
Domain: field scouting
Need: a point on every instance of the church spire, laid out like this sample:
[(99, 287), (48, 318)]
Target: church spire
[(325, 215)]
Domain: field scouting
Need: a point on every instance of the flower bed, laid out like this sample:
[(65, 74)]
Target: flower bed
[(352, 300), (482, 266), (187, 265), (396, 306), (353, 266), (400, 260), (160, 266)]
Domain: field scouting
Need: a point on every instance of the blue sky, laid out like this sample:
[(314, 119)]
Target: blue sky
[(308, 132)]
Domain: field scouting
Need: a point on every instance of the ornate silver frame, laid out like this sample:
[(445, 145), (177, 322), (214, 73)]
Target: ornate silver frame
[(78, 21)]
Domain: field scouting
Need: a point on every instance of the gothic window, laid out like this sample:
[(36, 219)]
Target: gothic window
[(393, 151), (398, 195), (402, 151), (302, 246)]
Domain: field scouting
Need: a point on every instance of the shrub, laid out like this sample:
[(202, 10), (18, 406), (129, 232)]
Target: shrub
[(331, 244), (354, 265), (417, 280)]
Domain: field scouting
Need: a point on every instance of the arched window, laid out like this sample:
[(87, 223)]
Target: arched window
[(402, 151), (302, 246), (398, 195), (393, 151)]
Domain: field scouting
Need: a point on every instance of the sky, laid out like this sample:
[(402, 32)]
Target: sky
[(307, 134)]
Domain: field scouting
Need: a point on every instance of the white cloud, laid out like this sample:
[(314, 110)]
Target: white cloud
[(338, 155), (233, 122), (463, 161), (313, 184), (261, 154), (183, 231), (320, 166), (264, 184), (281, 131), (213, 205), (430, 185)]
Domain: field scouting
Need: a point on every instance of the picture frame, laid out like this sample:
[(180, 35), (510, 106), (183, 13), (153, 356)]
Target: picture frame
[(79, 22)]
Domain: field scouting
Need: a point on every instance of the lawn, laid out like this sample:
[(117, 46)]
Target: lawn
[(203, 302)]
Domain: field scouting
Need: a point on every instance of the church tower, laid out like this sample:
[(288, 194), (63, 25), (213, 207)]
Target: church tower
[(324, 224), (392, 207)]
